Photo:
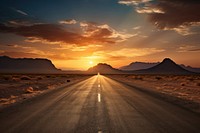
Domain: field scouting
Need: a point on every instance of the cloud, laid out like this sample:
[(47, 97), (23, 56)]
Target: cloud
[(21, 12), (137, 28), (89, 33), (18, 23), (178, 15), (16, 50), (133, 2), (68, 21), (76, 48), (149, 10), (103, 33), (188, 48), (48, 32), (126, 53), (19, 54), (133, 52)]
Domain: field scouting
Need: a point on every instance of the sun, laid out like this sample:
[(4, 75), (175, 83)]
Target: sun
[(91, 62)]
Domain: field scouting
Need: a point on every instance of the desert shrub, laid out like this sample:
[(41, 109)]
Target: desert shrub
[(191, 79), (39, 78), (182, 84), (68, 80), (15, 79), (25, 78), (198, 84), (158, 78), (6, 77), (48, 76), (29, 90), (138, 78), (126, 76), (64, 76)]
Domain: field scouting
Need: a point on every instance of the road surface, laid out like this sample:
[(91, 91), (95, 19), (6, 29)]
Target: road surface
[(97, 105)]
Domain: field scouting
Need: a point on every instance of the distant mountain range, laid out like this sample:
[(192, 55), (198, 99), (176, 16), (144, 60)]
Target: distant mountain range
[(138, 66), (143, 65), (38, 65), (26, 65), (167, 66)]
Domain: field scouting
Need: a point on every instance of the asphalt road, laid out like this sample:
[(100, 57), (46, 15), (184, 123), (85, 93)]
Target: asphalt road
[(97, 105)]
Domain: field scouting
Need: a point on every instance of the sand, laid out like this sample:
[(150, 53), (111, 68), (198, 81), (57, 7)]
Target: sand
[(18, 87)]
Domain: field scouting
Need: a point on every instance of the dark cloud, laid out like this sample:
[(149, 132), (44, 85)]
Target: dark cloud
[(19, 54), (49, 32), (91, 33), (177, 15), (20, 23)]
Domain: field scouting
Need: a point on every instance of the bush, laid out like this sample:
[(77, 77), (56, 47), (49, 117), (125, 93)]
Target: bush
[(29, 90), (6, 77), (198, 84), (25, 78), (182, 84), (191, 79), (138, 78), (39, 78), (158, 78)]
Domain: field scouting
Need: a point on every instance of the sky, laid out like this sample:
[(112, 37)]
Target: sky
[(78, 34)]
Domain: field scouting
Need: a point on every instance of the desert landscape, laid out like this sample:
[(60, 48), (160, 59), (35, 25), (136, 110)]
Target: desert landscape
[(177, 89), (19, 87), (166, 80), (99, 66), (80, 98)]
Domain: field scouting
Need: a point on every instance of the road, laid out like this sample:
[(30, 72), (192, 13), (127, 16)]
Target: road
[(98, 105)]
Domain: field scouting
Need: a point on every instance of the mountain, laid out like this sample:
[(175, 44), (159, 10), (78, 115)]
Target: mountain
[(26, 65), (143, 65), (189, 68), (167, 66), (103, 68), (138, 66)]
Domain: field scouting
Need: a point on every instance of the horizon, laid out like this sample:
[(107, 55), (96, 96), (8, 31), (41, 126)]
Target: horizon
[(77, 35), (94, 65)]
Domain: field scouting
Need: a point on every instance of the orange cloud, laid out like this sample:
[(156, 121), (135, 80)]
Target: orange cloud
[(126, 53), (55, 33), (103, 33)]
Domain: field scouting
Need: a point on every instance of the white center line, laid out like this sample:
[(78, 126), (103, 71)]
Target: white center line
[(99, 97)]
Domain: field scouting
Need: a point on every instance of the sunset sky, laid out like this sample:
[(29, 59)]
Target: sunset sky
[(78, 34)]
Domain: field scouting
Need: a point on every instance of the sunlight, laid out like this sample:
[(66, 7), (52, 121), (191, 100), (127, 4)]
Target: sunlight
[(91, 62)]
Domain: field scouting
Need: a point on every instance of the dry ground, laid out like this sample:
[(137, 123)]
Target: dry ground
[(18, 87), (181, 90)]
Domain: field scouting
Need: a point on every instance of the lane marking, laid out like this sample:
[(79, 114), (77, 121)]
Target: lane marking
[(99, 97)]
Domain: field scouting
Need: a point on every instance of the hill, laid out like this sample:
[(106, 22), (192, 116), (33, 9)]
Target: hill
[(167, 66), (143, 65), (103, 68), (26, 65), (189, 68), (137, 66)]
